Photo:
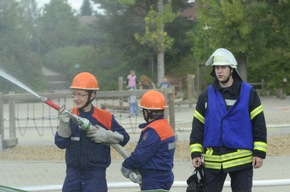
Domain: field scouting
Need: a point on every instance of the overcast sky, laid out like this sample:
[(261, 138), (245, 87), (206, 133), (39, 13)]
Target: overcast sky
[(76, 4)]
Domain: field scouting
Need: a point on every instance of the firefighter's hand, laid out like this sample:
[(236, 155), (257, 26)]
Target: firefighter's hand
[(196, 162), (101, 135), (64, 129), (257, 162), (125, 171), (135, 177)]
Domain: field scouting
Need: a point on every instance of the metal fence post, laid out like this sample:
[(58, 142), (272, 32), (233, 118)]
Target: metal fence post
[(1, 122), (12, 124), (171, 95)]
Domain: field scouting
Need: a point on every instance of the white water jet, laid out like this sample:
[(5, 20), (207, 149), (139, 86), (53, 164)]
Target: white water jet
[(17, 82)]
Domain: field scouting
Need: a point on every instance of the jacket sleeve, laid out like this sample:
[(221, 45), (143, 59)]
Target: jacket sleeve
[(259, 125), (148, 144), (61, 142), (118, 128), (196, 136)]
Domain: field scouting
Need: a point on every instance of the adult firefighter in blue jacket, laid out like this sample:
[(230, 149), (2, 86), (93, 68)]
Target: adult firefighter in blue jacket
[(154, 154), (229, 127), (87, 152)]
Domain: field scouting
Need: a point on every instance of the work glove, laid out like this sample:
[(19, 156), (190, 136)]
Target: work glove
[(101, 135), (134, 176), (64, 129)]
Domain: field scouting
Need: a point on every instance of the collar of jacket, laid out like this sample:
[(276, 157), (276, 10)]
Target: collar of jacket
[(233, 89), (143, 125)]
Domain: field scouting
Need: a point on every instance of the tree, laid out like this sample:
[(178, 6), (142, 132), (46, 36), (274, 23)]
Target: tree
[(274, 68), (236, 25), (31, 17), (155, 36), (86, 8), (57, 26), (151, 18), (117, 25), (15, 55)]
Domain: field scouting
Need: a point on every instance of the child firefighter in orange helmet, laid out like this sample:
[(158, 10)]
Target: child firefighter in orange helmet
[(87, 151), (154, 154)]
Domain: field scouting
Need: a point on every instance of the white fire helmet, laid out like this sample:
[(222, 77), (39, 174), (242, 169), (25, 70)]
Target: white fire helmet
[(223, 57)]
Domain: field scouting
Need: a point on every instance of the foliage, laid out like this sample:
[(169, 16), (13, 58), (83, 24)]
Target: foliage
[(86, 8), (273, 67), (132, 17), (179, 59), (120, 48), (154, 36), (57, 26), (236, 25), (16, 58), (257, 32)]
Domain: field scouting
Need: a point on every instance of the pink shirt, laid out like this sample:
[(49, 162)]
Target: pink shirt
[(131, 80)]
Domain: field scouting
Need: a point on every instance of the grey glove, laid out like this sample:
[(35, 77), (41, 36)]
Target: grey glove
[(64, 129), (134, 176), (125, 171), (101, 135)]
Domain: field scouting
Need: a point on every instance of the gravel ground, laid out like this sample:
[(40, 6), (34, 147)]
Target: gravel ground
[(277, 146)]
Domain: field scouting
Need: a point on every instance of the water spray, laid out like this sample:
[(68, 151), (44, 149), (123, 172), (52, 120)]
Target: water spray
[(83, 123)]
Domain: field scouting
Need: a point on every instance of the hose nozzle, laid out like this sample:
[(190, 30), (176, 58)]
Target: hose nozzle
[(50, 103)]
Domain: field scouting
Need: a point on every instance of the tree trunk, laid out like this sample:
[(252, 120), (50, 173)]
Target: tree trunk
[(160, 67), (160, 53), (242, 69)]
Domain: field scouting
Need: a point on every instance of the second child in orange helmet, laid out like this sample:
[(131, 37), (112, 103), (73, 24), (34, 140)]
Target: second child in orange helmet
[(154, 154), (87, 151)]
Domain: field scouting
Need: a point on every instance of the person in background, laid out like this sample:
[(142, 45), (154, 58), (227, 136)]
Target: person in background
[(229, 127), (132, 80), (154, 154), (146, 83), (164, 83), (87, 153), (133, 104)]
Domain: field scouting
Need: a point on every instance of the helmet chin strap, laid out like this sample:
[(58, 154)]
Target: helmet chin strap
[(147, 115), (89, 101)]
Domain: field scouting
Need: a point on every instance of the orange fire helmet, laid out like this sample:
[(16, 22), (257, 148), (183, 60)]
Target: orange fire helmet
[(153, 100), (86, 81)]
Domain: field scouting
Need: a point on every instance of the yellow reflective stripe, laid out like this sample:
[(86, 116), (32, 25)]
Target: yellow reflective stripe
[(196, 147), (228, 164), (256, 111), (226, 161), (261, 146), (237, 162), (198, 116), (209, 151), (227, 157), (212, 165)]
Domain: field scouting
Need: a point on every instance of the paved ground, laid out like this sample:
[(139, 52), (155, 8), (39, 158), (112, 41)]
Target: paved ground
[(49, 175), (42, 175)]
